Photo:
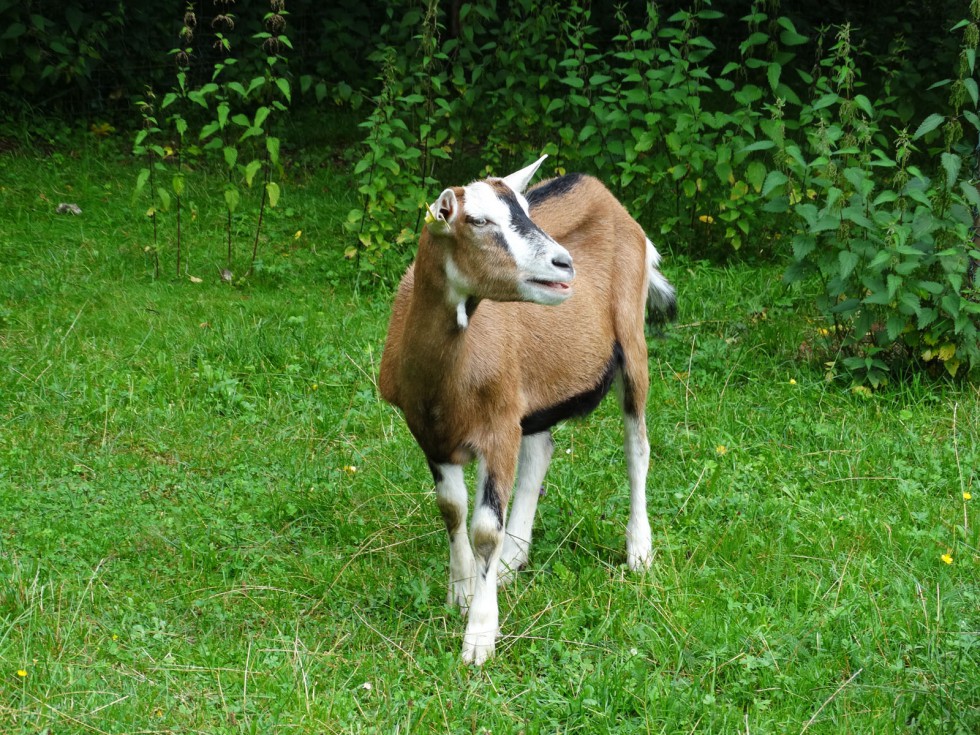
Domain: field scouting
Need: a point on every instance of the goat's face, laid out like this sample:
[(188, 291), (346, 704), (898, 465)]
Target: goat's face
[(493, 249)]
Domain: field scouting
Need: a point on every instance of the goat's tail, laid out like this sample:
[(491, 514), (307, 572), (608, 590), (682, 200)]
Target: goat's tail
[(661, 296)]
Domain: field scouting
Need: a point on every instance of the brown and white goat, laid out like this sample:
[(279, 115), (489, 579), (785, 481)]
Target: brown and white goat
[(490, 345)]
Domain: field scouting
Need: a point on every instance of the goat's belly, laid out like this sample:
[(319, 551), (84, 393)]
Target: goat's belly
[(575, 406)]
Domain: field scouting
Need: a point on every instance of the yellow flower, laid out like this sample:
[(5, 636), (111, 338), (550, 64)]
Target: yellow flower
[(101, 130), (721, 449), (792, 381), (21, 673), (350, 469), (967, 496), (707, 219), (823, 332), (314, 386), (115, 636), (298, 234), (947, 558)]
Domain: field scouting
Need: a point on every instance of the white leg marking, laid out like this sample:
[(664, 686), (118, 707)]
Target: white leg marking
[(639, 546), (452, 499), (532, 466), (488, 535)]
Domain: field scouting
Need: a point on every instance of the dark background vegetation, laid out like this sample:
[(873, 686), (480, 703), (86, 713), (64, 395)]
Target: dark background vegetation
[(91, 58), (836, 137)]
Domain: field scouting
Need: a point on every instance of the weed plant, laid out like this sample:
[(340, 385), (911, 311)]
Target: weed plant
[(209, 522)]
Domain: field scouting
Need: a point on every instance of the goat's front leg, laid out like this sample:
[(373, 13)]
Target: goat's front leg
[(452, 498), (535, 456), (494, 478)]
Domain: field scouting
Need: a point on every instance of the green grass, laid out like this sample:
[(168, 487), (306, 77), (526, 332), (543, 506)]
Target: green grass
[(186, 547)]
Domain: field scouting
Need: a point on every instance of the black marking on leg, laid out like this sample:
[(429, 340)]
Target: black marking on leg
[(450, 516), (629, 396), (491, 499), (552, 188), (436, 472), (578, 405)]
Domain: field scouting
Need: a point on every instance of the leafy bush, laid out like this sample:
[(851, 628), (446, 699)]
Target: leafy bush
[(644, 111), (892, 247), (230, 114)]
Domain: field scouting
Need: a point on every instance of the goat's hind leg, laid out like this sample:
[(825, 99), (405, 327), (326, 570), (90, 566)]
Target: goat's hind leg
[(532, 465), (631, 389), (452, 498)]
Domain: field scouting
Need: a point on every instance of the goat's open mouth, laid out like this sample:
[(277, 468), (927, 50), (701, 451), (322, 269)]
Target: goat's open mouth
[(554, 285)]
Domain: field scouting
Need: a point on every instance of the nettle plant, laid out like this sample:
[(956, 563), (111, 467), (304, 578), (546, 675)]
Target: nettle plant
[(667, 126), (229, 115), (892, 247), (681, 148)]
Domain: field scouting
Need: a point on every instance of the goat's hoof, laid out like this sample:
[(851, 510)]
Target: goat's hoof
[(478, 647), (639, 561), (639, 547)]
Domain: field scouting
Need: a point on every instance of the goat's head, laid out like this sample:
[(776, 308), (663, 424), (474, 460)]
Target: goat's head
[(493, 249)]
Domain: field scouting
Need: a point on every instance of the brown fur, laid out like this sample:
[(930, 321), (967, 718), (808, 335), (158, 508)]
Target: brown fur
[(465, 391)]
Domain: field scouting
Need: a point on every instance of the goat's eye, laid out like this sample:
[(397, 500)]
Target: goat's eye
[(479, 221)]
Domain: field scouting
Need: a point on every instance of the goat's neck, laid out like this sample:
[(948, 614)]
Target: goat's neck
[(437, 320)]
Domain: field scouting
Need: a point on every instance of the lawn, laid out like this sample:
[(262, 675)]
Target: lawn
[(210, 522)]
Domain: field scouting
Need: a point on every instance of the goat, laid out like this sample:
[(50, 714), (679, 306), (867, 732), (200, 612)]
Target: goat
[(490, 345)]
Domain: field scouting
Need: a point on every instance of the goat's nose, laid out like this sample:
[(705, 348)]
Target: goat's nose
[(563, 262)]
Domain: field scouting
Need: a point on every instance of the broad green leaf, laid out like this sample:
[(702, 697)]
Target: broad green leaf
[(14, 30), (178, 184), (232, 198), (755, 175), (223, 109), (252, 168), (260, 116), (774, 179), (895, 326), (164, 198), (826, 101), (208, 130), (231, 156), (864, 104), (272, 146), (928, 125), (951, 165), (773, 73), (141, 180), (848, 262), (272, 191)]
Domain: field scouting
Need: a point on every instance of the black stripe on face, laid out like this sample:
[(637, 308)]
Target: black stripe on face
[(519, 221)]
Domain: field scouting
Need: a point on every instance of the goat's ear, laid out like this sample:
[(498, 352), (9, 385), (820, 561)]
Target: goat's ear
[(519, 180), (443, 212)]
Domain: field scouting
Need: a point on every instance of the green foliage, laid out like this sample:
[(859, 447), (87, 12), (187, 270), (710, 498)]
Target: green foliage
[(56, 45), (644, 112), (230, 115), (892, 247), (716, 155)]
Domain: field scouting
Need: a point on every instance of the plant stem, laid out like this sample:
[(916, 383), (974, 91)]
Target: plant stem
[(258, 226)]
